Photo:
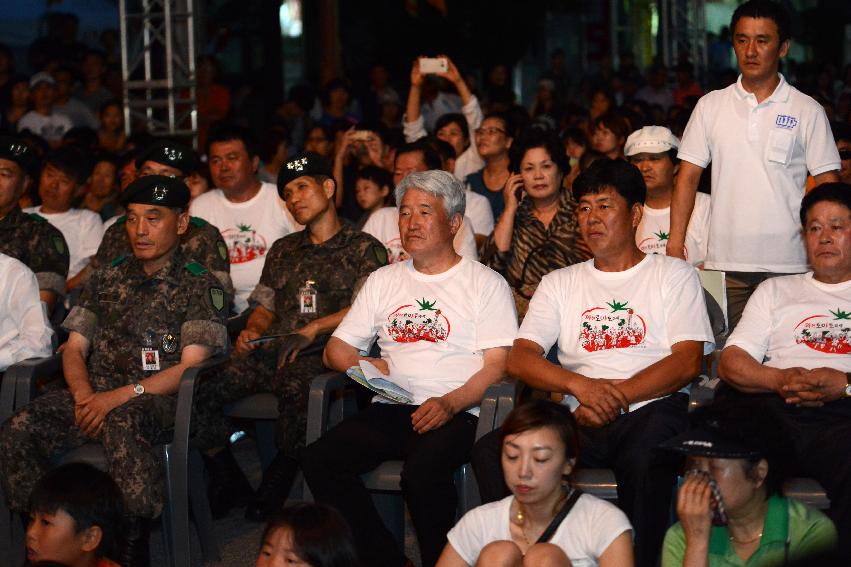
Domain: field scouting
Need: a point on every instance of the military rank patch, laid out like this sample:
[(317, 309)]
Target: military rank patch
[(217, 298), (223, 249), (59, 243)]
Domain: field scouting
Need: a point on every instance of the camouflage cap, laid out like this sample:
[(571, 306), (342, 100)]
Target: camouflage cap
[(170, 153), (16, 150), (304, 164), (157, 190)]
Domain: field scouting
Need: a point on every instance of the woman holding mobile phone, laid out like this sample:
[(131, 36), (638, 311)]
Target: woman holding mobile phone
[(730, 508), (537, 232)]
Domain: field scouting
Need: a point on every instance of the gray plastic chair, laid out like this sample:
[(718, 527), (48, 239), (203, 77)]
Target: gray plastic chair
[(184, 483), (331, 401)]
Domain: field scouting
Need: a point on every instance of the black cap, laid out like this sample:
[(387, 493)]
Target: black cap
[(16, 150), (170, 153), (711, 440), (304, 164), (157, 190)]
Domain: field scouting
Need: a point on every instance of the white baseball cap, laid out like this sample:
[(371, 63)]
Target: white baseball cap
[(652, 140), (42, 77)]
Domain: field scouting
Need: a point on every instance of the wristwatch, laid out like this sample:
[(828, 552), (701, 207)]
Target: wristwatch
[(138, 389), (848, 386)]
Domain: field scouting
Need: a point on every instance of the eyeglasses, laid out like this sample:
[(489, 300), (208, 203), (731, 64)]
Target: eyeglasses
[(844, 154), (489, 131)]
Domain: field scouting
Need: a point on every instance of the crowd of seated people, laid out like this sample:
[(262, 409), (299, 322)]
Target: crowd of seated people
[(461, 243)]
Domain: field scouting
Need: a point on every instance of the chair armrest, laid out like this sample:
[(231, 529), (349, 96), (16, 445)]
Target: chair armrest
[(20, 380), (702, 392), (185, 400), (319, 412), (498, 401)]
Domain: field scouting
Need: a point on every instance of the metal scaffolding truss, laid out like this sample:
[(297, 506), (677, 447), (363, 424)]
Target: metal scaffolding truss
[(682, 24), (158, 66)]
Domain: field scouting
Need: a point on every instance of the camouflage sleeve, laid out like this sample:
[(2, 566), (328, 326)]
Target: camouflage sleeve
[(205, 245), (206, 314), (50, 259), (83, 317), (113, 244), (374, 256), (264, 295)]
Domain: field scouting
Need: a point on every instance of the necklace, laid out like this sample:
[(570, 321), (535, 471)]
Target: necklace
[(520, 517), (745, 541)]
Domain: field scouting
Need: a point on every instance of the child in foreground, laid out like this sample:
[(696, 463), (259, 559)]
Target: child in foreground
[(75, 511)]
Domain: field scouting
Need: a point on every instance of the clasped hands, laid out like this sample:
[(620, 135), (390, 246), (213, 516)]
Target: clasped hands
[(600, 401), (799, 386)]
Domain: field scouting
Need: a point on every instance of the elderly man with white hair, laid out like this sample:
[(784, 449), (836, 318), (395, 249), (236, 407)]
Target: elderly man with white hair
[(444, 325)]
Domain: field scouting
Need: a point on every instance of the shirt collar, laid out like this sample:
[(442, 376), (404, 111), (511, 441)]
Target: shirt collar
[(774, 530), (339, 240), (780, 94), (170, 272)]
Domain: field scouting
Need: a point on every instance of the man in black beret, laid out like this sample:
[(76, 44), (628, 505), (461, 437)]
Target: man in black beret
[(306, 287), (166, 157), (29, 237), (140, 322)]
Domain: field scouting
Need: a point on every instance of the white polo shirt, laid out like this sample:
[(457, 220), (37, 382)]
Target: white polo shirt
[(761, 154)]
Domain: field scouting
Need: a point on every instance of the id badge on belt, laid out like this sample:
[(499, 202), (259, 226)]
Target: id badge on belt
[(150, 355), (307, 297)]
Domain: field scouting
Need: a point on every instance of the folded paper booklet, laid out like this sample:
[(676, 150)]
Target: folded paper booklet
[(369, 376)]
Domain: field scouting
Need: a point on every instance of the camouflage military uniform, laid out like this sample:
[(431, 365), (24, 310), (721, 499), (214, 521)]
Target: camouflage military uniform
[(336, 266), (202, 242), (38, 244), (121, 311)]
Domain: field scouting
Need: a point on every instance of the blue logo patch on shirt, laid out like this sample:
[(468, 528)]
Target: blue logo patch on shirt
[(786, 121)]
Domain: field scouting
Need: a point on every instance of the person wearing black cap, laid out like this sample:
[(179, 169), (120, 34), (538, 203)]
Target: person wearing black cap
[(201, 241), (140, 322), (790, 356), (729, 505), (64, 173), (29, 237), (307, 286)]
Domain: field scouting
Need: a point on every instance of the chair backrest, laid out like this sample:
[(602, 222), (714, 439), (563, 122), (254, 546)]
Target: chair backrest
[(715, 293)]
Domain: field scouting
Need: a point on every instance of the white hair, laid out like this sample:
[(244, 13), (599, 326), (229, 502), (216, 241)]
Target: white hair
[(436, 183)]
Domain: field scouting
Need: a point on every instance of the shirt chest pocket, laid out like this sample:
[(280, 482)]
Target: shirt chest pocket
[(781, 144)]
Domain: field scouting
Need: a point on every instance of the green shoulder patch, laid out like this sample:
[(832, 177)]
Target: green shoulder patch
[(217, 298), (118, 261), (195, 221), (195, 268), (37, 217), (59, 244), (223, 249), (121, 220), (380, 254)]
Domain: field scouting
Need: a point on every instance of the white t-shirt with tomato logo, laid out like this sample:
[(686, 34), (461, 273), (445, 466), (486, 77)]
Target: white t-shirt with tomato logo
[(432, 329), (249, 230), (611, 325), (383, 224), (792, 321), (652, 234)]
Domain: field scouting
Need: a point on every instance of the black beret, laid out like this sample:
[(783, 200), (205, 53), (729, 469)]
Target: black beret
[(16, 150), (157, 190), (170, 153), (304, 164)]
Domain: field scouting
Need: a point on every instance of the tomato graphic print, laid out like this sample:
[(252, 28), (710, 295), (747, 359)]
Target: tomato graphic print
[(615, 326), (830, 334), (409, 324), (244, 244), (657, 244)]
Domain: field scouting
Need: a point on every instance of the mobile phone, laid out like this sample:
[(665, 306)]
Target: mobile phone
[(362, 135), (432, 65)]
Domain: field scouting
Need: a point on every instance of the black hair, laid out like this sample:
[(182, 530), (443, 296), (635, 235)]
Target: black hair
[(539, 138), (110, 102), (71, 160), (377, 175), (270, 140), (228, 132), (373, 126), (82, 136), (326, 131), (616, 122), (835, 192), (616, 174), (841, 131), (507, 122), (430, 155), (575, 135), (765, 9), (538, 414), (453, 118), (303, 95), (320, 535), (88, 495), (332, 85)]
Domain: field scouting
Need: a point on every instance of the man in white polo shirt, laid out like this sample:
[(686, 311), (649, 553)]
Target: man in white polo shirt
[(790, 356), (762, 136), (653, 150), (630, 330), (444, 324), (250, 215)]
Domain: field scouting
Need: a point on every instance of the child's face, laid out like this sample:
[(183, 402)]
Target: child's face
[(369, 195), (278, 550), (53, 537)]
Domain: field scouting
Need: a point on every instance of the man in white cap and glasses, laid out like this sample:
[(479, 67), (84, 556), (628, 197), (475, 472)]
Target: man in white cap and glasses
[(42, 120), (653, 150)]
